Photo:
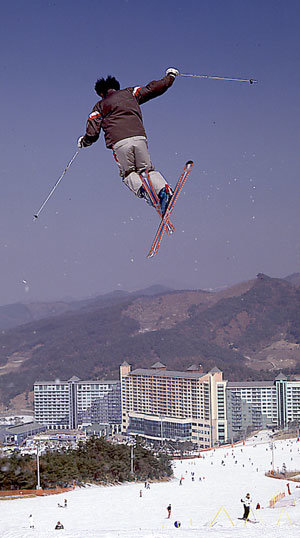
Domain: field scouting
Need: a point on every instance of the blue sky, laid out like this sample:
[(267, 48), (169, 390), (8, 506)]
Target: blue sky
[(239, 212)]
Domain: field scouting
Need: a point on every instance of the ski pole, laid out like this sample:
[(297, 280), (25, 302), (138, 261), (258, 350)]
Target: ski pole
[(250, 80), (56, 185)]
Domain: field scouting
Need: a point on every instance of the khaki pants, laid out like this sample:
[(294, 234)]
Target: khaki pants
[(132, 157)]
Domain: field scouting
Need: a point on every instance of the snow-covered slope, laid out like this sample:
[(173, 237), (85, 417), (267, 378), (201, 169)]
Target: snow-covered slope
[(121, 511)]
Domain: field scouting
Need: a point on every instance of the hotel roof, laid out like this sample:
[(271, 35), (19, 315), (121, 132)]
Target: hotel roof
[(79, 382), (25, 428), (250, 384), (167, 373)]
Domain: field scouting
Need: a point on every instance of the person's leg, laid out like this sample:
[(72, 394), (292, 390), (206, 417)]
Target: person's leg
[(245, 512), (143, 162), (132, 157), (141, 154), (124, 155)]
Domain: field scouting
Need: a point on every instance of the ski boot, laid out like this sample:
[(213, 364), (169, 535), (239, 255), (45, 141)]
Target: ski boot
[(165, 195), (143, 194)]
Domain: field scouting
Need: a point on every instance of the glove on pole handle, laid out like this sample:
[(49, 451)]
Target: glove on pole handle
[(250, 80), (55, 186)]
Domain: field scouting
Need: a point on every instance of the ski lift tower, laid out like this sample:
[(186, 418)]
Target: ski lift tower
[(38, 485)]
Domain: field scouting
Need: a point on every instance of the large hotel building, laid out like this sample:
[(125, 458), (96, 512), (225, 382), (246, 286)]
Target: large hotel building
[(156, 403), (202, 407), (163, 404), (253, 405), (74, 403)]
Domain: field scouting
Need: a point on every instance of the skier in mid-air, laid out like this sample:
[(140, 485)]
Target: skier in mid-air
[(119, 115)]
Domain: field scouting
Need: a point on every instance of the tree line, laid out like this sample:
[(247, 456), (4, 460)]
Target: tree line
[(96, 461)]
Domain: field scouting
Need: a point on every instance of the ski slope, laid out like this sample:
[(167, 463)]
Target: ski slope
[(120, 511)]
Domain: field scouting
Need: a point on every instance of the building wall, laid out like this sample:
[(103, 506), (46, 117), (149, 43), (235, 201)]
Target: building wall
[(52, 404), (199, 407), (16, 435), (69, 404), (261, 395), (257, 405), (243, 417), (293, 400), (158, 403), (218, 413), (99, 403)]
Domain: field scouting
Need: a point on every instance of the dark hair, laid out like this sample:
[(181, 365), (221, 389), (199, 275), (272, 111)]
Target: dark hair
[(103, 85)]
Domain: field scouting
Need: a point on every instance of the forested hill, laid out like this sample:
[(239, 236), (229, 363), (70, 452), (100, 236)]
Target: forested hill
[(249, 331), (16, 314)]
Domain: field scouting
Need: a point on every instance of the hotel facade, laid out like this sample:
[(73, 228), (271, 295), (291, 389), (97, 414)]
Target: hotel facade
[(182, 406), (75, 403), (202, 407), (157, 404), (254, 405)]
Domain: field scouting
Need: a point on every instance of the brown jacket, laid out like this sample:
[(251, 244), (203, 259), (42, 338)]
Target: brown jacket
[(119, 113)]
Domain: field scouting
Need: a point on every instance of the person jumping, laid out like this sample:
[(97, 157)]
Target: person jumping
[(119, 115)]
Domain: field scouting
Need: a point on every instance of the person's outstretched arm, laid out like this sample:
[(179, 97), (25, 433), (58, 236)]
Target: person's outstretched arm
[(93, 128), (156, 87)]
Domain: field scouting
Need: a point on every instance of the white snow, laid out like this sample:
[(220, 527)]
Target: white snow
[(105, 512)]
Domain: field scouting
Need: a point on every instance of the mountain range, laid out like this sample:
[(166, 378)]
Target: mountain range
[(250, 331)]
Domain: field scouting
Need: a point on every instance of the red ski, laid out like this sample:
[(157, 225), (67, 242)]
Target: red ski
[(147, 184), (163, 224)]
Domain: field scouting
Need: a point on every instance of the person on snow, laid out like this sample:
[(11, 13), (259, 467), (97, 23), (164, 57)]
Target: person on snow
[(59, 526), (169, 508), (247, 503), (31, 522), (119, 115)]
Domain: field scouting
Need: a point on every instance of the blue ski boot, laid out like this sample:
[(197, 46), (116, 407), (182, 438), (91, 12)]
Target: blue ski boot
[(143, 194), (165, 196)]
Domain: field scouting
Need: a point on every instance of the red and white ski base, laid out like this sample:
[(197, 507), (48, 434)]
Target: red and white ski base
[(166, 218)]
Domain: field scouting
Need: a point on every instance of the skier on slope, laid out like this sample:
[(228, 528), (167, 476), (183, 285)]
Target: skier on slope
[(31, 522), (247, 503), (118, 113)]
